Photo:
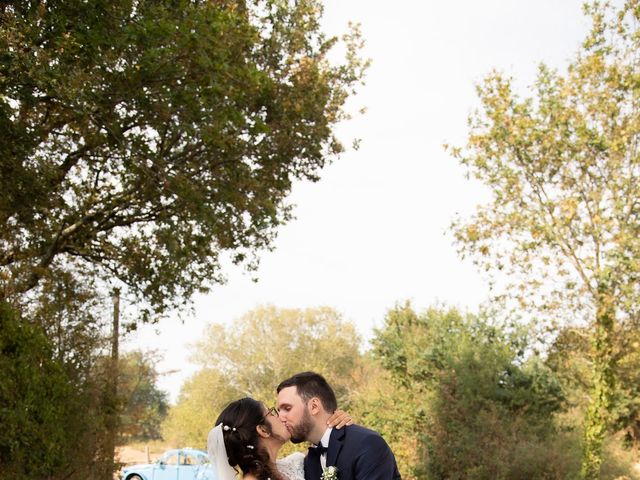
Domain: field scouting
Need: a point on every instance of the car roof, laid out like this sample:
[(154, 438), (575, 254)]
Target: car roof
[(185, 450)]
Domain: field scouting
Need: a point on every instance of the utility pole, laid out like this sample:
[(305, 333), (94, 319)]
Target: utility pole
[(111, 392), (115, 337)]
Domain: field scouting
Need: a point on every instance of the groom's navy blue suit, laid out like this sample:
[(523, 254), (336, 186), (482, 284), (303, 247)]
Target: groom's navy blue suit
[(358, 453)]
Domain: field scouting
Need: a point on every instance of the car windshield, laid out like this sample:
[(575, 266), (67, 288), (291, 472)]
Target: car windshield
[(169, 459), (193, 458)]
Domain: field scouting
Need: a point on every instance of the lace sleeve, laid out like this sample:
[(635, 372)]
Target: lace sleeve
[(292, 466)]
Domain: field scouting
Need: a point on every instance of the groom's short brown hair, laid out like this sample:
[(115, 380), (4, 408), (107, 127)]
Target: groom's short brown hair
[(309, 385)]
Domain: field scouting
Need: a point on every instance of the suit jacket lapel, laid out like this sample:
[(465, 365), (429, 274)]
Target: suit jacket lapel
[(312, 467), (335, 445)]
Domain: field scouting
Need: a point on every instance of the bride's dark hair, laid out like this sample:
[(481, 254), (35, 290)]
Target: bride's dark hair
[(241, 438)]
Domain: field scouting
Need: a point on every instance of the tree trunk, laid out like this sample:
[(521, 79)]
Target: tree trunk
[(597, 418)]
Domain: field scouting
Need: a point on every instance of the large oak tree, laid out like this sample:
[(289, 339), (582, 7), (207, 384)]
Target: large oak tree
[(145, 141)]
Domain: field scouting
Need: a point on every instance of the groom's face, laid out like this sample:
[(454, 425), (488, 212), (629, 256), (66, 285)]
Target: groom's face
[(295, 414)]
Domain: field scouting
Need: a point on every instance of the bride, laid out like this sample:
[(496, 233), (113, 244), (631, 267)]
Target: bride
[(248, 437)]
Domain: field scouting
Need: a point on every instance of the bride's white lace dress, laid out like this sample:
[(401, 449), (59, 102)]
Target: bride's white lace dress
[(292, 466)]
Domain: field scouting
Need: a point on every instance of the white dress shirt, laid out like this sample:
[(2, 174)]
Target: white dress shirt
[(324, 441)]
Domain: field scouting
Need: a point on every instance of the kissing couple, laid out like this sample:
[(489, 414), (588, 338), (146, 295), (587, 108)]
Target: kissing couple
[(247, 437)]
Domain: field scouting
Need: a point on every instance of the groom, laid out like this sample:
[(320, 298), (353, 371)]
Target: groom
[(305, 402)]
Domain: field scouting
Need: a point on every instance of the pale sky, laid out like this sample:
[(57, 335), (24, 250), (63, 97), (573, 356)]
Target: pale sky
[(374, 230)]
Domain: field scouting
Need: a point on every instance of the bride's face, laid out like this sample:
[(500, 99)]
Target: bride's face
[(278, 429)]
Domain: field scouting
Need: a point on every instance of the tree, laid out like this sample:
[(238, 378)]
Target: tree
[(30, 396), (474, 405), (202, 397), (252, 356), (60, 334), (145, 141), (144, 405), (563, 225), (568, 356), (395, 413), (49, 418)]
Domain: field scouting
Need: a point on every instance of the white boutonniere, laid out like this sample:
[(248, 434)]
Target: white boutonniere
[(330, 473)]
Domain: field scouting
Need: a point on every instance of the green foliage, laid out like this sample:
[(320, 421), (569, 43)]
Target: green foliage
[(477, 404), (201, 399), (43, 434), (52, 371), (569, 358), (395, 413), (32, 399), (253, 355), (144, 406), (142, 140), (626, 411), (73, 316), (563, 228), (143, 144)]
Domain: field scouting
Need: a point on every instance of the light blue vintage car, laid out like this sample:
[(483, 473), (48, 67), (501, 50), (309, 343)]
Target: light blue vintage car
[(180, 464)]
